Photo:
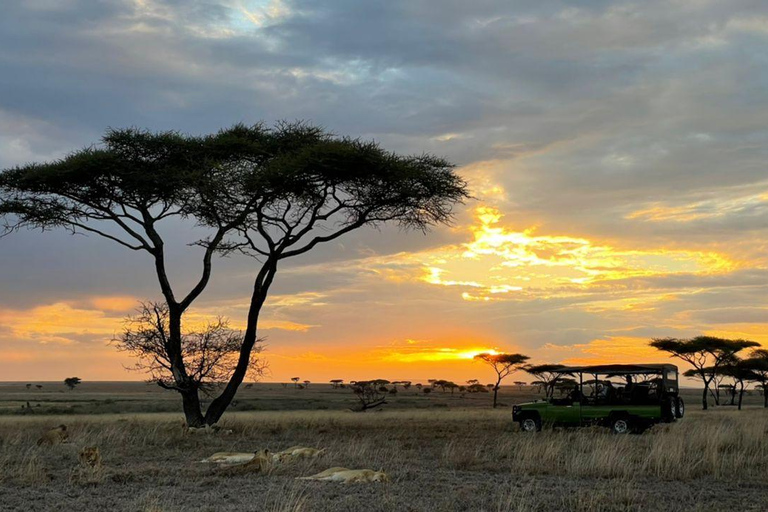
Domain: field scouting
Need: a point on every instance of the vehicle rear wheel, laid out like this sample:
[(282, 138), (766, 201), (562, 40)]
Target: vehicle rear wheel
[(680, 410), (669, 410), (621, 425), (530, 424)]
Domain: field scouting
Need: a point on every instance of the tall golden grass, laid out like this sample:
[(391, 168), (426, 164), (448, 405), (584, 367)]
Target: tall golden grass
[(442, 457)]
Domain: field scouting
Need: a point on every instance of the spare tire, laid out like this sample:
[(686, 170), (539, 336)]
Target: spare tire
[(680, 408)]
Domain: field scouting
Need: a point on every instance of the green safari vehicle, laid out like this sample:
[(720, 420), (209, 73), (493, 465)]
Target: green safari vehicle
[(624, 397)]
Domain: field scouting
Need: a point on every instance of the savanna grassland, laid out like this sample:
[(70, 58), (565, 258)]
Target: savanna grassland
[(441, 452)]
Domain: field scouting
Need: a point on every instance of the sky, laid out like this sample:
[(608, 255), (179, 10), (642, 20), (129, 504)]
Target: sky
[(615, 150)]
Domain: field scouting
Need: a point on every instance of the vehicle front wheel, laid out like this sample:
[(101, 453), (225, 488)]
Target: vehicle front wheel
[(680, 409), (621, 425), (530, 424)]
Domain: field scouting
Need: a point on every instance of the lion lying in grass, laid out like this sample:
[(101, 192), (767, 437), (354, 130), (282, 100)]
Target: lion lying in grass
[(348, 476), (260, 462), (230, 457), (53, 436), (297, 452), (294, 452)]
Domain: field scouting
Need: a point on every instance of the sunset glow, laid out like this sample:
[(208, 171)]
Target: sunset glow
[(614, 158)]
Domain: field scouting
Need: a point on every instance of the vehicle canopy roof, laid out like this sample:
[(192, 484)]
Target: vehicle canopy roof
[(618, 369)]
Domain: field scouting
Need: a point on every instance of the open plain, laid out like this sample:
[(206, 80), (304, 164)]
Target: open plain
[(441, 452)]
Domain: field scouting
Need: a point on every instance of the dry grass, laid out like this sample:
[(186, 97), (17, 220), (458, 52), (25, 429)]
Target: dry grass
[(472, 460)]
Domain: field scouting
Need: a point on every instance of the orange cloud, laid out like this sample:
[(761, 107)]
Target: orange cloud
[(58, 323), (501, 263)]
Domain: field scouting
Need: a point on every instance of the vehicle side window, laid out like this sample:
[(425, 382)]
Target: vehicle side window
[(672, 375)]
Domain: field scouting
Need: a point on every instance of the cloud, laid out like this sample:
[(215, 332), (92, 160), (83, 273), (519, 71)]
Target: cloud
[(616, 151)]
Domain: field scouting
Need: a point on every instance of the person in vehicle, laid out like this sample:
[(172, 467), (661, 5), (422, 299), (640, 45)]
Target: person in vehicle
[(574, 395), (605, 391)]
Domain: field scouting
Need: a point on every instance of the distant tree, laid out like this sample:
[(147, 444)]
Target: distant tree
[(268, 193), (757, 363), (707, 355), (503, 365), (29, 386), (427, 391), (306, 383), (72, 382), (741, 373), (210, 353), (565, 385), (490, 386), (432, 382), (470, 382), (380, 383), (406, 384), (295, 381), (547, 376), (368, 394), (419, 385), (520, 384), (440, 383), (478, 388), (336, 382), (452, 386)]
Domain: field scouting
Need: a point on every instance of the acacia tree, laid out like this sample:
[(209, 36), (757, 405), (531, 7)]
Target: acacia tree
[(547, 376), (72, 382), (707, 355), (369, 393), (269, 193), (503, 365), (741, 372), (757, 363)]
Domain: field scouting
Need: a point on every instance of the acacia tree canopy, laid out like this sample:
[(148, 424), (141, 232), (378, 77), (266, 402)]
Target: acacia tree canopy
[(547, 376), (707, 355), (271, 193), (503, 365)]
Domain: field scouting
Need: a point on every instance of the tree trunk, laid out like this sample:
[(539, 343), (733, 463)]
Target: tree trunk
[(192, 411), (741, 395), (704, 397), (260, 289), (496, 392), (190, 399)]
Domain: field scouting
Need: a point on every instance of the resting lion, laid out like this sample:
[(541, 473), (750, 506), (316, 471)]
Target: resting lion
[(53, 436), (90, 456), (297, 452), (230, 457), (348, 476), (260, 462)]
